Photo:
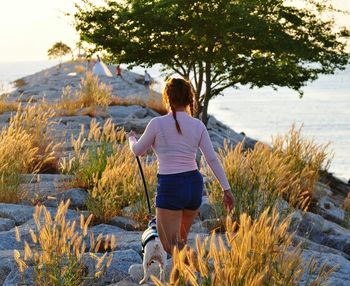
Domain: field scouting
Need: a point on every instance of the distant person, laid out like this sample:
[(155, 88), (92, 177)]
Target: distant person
[(118, 71), (147, 79)]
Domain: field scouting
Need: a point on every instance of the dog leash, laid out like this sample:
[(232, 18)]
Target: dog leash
[(145, 186)]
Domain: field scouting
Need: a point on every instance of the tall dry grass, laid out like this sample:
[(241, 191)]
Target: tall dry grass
[(120, 186), (104, 165), (259, 177), (251, 253), (37, 121), (57, 250), (91, 152), (91, 93), (26, 146), (6, 105)]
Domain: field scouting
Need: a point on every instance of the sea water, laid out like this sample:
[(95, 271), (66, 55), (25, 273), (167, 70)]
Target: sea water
[(324, 109)]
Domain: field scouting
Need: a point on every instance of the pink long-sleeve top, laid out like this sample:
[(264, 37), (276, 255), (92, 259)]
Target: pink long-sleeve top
[(176, 152)]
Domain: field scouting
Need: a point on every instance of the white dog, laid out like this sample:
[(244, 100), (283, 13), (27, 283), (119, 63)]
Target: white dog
[(154, 252)]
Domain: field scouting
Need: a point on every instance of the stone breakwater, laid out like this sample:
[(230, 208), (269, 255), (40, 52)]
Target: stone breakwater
[(322, 232)]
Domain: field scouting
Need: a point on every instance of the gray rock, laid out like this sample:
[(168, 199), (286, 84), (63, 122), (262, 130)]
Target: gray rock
[(77, 197), (125, 239), (126, 282), (313, 246), (320, 191), (206, 210), (7, 264), (119, 266), (124, 223), (135, 208), (340, 277), (15, 278), (43, 185), (6, 224), (199, 227), (132, 111), (330, 210), (18, 213), (317, 229)]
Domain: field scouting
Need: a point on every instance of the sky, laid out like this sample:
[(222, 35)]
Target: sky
[(28, 28)]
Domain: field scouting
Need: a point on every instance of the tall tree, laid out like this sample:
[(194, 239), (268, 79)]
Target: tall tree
[(218, 43), (58, 50)]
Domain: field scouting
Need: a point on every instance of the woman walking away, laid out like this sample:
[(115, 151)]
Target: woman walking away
[(175, 138)]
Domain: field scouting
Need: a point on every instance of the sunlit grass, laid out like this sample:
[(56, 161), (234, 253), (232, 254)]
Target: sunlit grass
[(121, 186), (91, 93), (305, 159), (251, 253), (26, 146), (6, 105), (259, 177), (57, 254), (108, 170)]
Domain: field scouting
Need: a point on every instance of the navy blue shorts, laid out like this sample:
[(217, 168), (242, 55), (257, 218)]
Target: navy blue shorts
[(180, 191)]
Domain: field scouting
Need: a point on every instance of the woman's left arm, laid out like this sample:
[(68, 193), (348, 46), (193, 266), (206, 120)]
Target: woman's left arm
[(145, 142)]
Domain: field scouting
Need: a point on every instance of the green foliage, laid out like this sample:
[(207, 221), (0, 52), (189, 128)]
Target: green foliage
[(58, 50), (218, 43)]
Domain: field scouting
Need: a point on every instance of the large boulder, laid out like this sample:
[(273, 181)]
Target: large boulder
[(118, 269), (18, 213), (7, 264), (77, 197), (340, 276), (315, 228), (6, 224)]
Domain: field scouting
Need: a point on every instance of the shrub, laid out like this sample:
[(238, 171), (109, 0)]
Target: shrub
[(36, 121), (91, 93), (58, 250), (90, 161), (5, 105), (17, 156), (258, 252), (26, 146), (108, 170), (255, 176), (305, 159), (120, 186), (258, 177)]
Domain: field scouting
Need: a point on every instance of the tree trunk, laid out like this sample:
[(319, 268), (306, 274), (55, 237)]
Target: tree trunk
[(207, 93), (198, 91)]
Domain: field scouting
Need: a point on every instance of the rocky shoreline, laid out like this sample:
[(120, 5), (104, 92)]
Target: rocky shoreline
[(324, 231)]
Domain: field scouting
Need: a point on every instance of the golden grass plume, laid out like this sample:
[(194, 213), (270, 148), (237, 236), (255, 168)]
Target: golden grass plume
[(251, 253), (57, 249)]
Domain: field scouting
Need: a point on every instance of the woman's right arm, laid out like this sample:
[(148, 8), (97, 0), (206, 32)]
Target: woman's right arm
[(207, 149)]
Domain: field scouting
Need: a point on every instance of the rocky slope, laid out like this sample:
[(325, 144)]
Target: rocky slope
[(320, 232)]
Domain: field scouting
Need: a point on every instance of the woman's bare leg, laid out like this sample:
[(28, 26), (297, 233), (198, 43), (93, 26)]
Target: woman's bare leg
[(168, 227), (188, 216)]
